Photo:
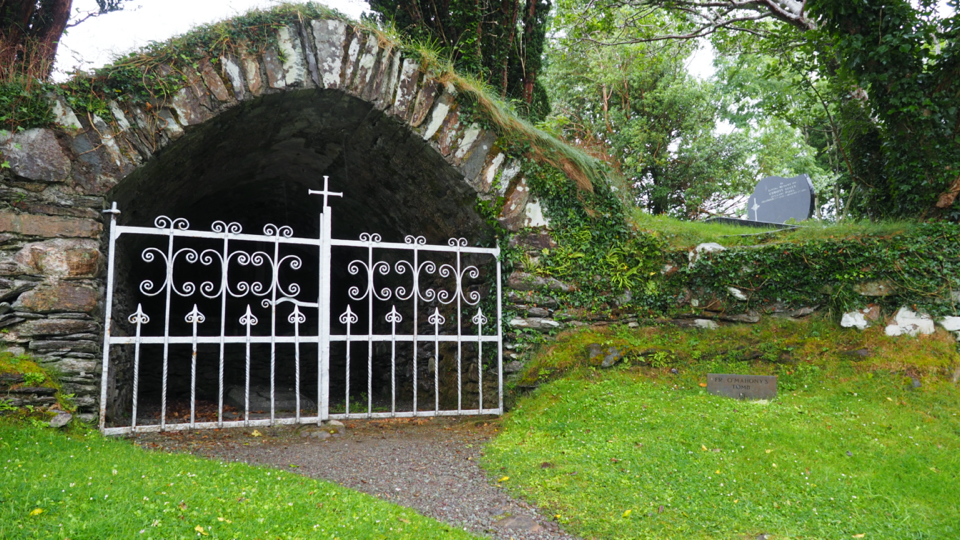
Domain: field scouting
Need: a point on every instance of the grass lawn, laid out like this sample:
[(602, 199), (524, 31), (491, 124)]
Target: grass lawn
[(849, 450), (681, 234), (83, 486)]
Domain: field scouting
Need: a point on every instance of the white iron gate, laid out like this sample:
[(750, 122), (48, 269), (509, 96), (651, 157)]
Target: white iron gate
[(434, 356)]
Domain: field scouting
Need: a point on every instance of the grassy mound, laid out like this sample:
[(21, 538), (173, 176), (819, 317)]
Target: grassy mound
[(849, 449), (77, 485)]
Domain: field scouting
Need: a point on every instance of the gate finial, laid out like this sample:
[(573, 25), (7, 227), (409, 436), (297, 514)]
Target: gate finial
[(325, 191)]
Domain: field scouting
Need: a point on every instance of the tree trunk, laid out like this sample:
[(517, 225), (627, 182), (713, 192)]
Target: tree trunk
[(529, 75), (30, 33)]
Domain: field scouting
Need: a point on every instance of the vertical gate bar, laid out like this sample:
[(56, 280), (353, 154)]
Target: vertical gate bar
[(394, 317), (194, 317), (459, 293), (246, 387), (139, 318), (166, 331), (296, 355), (323, 304), (273, 323), (479, 360), (437, 319), (370, 332), (223, 321), (346, 406), (108, 315), (416, 329), (499, 337), (323, 373), (248, 320)]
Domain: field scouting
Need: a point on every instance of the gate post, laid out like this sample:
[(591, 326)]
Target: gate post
[(323, 305), (108, 316)]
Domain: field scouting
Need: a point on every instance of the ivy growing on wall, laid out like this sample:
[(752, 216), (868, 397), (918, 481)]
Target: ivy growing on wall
[(919, 267)]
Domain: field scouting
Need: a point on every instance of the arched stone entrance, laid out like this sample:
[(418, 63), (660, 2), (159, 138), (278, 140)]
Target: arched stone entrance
[(242, 142)]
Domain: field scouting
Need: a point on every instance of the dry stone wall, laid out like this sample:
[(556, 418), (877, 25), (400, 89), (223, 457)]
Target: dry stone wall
[(52, 254)]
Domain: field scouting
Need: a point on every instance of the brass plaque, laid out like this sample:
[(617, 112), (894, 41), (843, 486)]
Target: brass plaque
[(742, 386)]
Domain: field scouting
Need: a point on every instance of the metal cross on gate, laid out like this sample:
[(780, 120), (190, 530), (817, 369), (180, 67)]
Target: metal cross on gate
[(435, 287), (325, 192)]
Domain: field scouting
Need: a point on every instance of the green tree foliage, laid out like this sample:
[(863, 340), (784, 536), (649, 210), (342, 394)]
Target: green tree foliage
[(789, 116), (634, 105), (500, 41), (893, 84), (900, 62)]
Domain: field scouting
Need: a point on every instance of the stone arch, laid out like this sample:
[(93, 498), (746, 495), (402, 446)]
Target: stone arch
[(163, 156)]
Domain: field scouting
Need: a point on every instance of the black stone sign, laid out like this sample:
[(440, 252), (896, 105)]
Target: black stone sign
[(742, 386), (776, 199)]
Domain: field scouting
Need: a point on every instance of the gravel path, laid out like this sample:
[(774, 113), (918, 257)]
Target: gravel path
[(429, 465)]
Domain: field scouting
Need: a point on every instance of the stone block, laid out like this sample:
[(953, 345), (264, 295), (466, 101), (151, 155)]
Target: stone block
[(951, 324), (512, 367), (465, 144), (737, 293), (48, 346), (171, 127), (750, 317), (854, 319), (62, 113), (276, 78), (537, 312), (306, 39), (213, 81), (119, 116), (530, 297), (77, 366), (191, 103), (406, 89), (61, 420), (388, 78), (51, 298), (56, 327), (328, 37), (425, 98), (440, 111), (537, 240), (522, 281), (489, 174), (363, 70), (294, 67), (60, 258), (475, 157), (55, 210), (231, 71), (533, 215), (906, 322), (36, 155), (700, 250), (49, 226), (805, 311), (449, 132), (512, 215), (706, 324), (536, 323), (882, 287), (251, 69), (109, 141)]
